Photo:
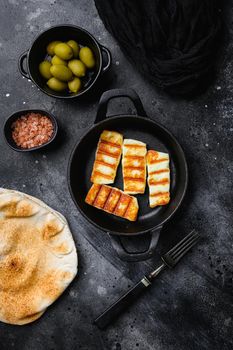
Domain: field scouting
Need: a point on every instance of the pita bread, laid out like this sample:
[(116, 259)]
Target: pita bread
[(38, 258)]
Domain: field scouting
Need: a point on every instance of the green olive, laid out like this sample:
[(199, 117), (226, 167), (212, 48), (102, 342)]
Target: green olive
[(87, 57), (74, 45), (56, 84), (61, 72), (75, 85), (77, 67), (58, 60), (51, 46), (63, 51), (44, 68)]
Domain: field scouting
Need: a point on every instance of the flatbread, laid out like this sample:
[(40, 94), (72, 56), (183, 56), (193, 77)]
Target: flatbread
[(38, 258)]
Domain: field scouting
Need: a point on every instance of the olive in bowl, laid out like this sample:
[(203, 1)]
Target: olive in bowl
[(68, 46), (30, 130)]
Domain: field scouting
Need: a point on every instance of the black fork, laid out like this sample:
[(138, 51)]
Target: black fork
[(170, 259)]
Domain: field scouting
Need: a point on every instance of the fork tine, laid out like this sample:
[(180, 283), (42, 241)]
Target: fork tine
[(184, 244), (185, 249), (178, 245)]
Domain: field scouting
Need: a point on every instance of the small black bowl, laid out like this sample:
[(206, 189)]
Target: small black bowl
[(37, 54), (7, 129)]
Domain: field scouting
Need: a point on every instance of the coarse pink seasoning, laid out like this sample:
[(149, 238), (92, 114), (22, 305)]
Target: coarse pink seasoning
[(32, 130)]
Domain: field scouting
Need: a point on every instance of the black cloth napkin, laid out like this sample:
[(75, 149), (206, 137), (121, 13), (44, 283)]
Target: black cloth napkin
[(174, 43)]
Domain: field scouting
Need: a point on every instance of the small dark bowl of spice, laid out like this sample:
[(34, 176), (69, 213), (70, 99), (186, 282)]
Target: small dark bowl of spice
[(30, 130)]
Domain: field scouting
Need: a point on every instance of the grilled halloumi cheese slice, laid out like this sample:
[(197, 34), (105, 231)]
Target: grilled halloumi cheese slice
[(107, 157), (134, 166), (158, 178), (113, 201)]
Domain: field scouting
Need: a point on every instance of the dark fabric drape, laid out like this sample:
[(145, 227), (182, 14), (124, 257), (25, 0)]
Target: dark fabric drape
[(174, 43)]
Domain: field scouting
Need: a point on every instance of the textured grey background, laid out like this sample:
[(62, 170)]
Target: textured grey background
[(188, 308)]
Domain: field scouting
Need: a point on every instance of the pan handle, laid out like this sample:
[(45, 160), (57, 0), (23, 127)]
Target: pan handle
[(109, 58), (21, 61), (116, 93), (117, 243)]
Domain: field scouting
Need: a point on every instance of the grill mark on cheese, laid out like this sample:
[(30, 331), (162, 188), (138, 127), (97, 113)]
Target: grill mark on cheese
[(126, 209), (105, 153), (91, 196), (159, 172), (160, 198), (153, 153), (113, 201), (129, 204), (110, 204), (104, 148), (108, 143), (101, 162), (134, 146), (134, 190), (121, 203), (98, 173), (140, 179), (134, 157), (159, 182), (102, 197), (129, 167), (155, 161), (163, 202), (130, 209), (162, 194)]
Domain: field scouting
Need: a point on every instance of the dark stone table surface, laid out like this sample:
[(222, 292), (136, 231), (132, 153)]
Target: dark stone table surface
[(186, 308)]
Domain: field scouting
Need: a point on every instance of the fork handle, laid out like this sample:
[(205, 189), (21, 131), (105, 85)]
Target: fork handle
[(122, 303)]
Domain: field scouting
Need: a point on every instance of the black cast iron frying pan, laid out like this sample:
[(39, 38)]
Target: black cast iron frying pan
[(139, 127)]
